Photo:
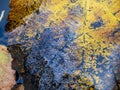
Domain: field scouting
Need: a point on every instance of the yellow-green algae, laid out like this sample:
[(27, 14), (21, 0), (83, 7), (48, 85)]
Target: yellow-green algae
[(18, 10), (3, 57), (3, 60), (7, 79)]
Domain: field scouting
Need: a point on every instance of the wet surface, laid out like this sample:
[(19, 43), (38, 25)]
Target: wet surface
[(64, 54), (4, 6), (57, 50)]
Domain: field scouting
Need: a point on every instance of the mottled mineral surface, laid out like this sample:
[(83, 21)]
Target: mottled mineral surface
[(70, 45)]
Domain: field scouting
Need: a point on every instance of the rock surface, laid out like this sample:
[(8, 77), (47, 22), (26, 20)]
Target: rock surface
[(18, 87), (7, 79), (67, 49)]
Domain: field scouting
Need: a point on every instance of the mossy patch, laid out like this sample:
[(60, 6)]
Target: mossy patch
[(18, 10)]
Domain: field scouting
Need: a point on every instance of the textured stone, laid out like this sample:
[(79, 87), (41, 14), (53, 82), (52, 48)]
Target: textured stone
[(7, 79), (18, 54), (18, 87), (69, 50)]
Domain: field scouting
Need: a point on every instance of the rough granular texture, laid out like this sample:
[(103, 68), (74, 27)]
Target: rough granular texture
[(72, 44)]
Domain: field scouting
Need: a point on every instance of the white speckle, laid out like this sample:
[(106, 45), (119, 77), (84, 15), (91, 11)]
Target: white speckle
[(2, 14)]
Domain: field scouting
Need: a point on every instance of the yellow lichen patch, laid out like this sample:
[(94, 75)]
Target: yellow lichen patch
[(95, 40), (91, 14), (30, 34), (59, 9), (113, 7)]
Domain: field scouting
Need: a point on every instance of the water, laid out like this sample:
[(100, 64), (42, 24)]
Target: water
[(4, 6)]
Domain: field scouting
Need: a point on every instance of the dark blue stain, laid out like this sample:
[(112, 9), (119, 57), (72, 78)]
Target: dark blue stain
[(20, 80), (97, 24), (47, 38), (68, 35), (100, 58)]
